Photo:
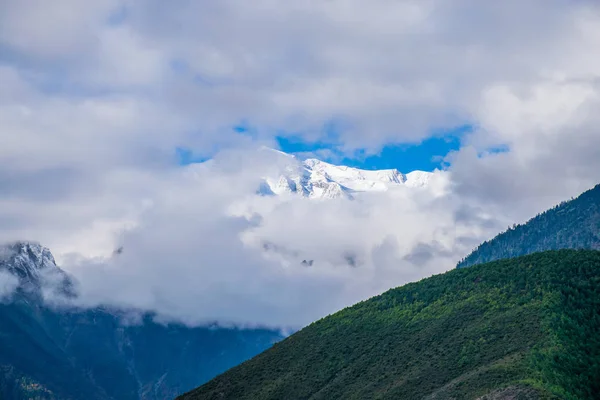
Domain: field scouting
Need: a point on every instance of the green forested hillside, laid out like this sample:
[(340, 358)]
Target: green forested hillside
[(573, 224), (524, 328)]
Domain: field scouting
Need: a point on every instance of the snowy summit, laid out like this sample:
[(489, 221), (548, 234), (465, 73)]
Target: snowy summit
[(34, 267), (317, 179)]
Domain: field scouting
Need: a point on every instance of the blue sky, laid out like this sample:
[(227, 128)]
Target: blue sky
[(186, 156), (426, 156)]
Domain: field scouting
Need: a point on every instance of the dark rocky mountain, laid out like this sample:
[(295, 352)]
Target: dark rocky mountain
[(65, 353), (522, 328), (574, 224)]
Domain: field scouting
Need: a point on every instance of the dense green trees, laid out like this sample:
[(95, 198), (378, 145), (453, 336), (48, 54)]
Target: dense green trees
[(528, 325), (573, 224)]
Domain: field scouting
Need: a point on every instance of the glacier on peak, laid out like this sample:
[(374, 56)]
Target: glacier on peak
[(316, 179), (35, 268), (26, 259)]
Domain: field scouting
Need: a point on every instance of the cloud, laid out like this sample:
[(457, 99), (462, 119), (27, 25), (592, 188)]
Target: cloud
[(8, 284), (386, 72), (8, 281), (210, 249), (63, 30), (553, 140), (96, 99)]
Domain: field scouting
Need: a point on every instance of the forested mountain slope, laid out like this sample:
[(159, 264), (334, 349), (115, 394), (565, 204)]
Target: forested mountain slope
[(45, 354), (523, 328), (573, 224), (49, 353)]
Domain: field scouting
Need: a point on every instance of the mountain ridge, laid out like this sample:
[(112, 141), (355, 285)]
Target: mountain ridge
[(49, 352), (521, 328), (316, 179), (511, 326), (573, 224), (36, 270), (26, 260)]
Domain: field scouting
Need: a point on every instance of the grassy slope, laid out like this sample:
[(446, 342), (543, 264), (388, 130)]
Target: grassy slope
[(527, 326), (573, 224)]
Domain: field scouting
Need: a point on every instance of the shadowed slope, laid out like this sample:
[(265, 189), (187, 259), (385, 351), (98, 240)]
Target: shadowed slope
[(523, 327), (49, 354), (573, 224)]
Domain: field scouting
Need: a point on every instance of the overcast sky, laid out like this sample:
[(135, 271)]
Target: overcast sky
[(97, 96)]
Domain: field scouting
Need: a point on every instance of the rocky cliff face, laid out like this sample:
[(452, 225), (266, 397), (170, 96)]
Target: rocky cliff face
[(34, 267)]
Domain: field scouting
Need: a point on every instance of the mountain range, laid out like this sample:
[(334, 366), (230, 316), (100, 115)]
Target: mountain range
[(523, 328), (573, 224), (510, 326), (513, 325), (317, 179), (49, 351)]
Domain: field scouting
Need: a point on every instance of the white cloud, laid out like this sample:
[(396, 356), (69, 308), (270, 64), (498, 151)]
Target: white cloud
[(388, 71), (551, 130), (96, 97), (8, 284), (64, 29), (208, 249)]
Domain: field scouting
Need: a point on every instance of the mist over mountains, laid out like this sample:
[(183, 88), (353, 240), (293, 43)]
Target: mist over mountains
[(121, 353), (222, 168), (500, 326), (51, 348), (213, 247), (209, 246)]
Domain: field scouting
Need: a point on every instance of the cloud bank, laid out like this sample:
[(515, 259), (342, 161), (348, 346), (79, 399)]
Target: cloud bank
[(209, 249), (8, 285), (97, 98)]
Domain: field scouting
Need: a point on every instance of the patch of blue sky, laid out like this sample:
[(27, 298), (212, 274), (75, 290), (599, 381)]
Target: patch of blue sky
[(186, 156), (242, 128), (498, 149), (118, 16), (426, 156), (179, 66)]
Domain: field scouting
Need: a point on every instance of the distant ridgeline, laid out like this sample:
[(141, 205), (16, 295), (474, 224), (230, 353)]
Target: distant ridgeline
[(573, 224), (74, 354), (522, 328)]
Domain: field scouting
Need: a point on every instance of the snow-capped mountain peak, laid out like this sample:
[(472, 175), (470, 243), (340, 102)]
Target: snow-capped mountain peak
[(26, 259), (314, 178), (34, 266)]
